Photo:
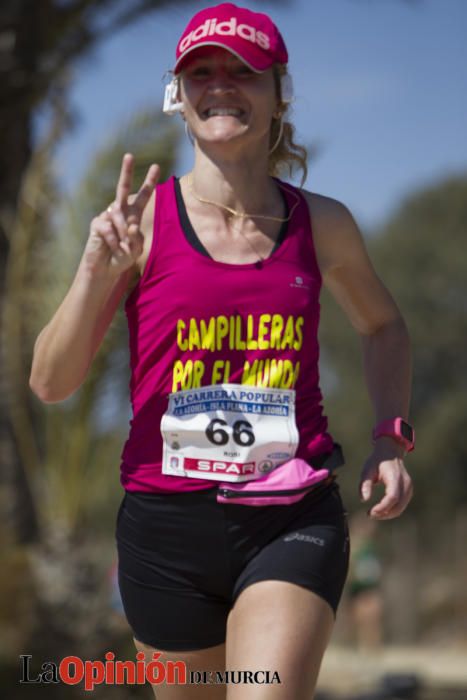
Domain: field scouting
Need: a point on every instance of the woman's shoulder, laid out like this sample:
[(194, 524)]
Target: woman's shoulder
[(325, 210), (335, 232)]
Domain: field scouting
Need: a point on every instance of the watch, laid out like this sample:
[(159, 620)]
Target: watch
[(398, 429)]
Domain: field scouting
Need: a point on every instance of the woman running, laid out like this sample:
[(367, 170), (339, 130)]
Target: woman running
[(232, 537)]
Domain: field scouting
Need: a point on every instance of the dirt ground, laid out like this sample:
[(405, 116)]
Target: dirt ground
[(346, 671)]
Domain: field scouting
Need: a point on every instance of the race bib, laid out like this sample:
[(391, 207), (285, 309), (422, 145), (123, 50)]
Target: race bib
[(228, 432)]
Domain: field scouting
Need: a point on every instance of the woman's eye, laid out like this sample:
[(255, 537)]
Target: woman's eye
[(243, 70), (200, 72)]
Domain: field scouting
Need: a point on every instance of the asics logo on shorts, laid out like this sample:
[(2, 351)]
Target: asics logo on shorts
[(304, 538), (226, 28)]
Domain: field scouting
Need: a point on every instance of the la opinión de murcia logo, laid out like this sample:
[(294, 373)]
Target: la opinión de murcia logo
[(72, 670), (226, 28)]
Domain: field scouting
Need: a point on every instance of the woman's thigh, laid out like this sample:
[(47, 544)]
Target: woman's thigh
[(174, 583), (280, 630), (285, 601), (311, 549), (200, 660)]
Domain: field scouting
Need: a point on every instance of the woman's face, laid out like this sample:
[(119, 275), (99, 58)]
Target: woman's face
[(225, 100)]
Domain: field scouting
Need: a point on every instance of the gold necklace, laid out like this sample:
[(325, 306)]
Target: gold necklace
[(240, 214)]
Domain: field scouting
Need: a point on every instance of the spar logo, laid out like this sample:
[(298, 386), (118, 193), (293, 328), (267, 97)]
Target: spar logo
[(227, 28), (217, 466)]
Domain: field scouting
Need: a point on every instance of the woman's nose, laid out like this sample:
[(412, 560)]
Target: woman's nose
[(221, 83)]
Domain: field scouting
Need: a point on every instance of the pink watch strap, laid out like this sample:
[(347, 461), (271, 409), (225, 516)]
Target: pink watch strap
[(398, 429)]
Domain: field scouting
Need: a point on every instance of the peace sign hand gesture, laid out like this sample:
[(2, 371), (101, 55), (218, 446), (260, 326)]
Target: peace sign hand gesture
[(115, 240)]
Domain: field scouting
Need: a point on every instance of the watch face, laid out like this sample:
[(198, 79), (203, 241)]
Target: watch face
[(406, 431)]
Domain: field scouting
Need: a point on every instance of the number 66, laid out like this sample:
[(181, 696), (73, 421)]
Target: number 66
[(242, 432)]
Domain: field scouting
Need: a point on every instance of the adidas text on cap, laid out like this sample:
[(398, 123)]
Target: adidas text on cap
[(251, 36)]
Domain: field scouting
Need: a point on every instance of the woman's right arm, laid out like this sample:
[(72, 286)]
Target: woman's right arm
[(64, 350)]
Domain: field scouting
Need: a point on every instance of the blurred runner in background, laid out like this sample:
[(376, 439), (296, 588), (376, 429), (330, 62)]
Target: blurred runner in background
[(364, 583)]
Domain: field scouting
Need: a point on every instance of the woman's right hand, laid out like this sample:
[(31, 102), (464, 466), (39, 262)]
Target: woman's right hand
[(115, 239)]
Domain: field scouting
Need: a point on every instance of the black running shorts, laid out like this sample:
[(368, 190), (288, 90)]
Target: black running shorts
[(184, 559)]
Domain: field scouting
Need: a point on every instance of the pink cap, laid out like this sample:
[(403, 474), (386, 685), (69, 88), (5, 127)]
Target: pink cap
[(251, 36)]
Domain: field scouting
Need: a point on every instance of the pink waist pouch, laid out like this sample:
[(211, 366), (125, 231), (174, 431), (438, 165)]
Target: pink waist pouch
[(286, 484)]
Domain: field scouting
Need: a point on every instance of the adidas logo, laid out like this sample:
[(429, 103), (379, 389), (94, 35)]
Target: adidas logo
[(227, 28)]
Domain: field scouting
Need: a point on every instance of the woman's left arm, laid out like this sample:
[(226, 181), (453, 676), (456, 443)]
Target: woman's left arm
[(350, 277)]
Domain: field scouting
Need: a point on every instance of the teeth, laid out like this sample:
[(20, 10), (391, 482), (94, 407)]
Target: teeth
[(223, 111)]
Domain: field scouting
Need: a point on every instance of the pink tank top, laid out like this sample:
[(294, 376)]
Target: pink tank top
[(195, 322)]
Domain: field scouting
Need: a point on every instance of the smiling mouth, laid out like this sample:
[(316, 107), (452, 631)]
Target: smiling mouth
[(223, 112)]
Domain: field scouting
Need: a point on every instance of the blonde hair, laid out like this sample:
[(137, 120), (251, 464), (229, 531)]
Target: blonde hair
[(287, 155)]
